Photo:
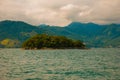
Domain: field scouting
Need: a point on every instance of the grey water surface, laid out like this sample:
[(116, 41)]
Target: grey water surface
[(66, 64)]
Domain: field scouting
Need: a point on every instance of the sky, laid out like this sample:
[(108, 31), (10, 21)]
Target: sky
[(61, 12)]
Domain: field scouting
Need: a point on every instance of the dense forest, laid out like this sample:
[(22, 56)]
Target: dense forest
[(14, 33), (44, 41)]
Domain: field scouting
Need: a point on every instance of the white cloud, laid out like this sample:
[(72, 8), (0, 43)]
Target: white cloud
[(61, 12), (69, 7)]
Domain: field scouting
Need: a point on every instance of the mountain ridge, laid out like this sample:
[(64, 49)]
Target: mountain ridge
[(93, 35)]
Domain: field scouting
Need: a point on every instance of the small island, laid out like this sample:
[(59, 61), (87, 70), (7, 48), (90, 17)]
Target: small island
[(43, 41)]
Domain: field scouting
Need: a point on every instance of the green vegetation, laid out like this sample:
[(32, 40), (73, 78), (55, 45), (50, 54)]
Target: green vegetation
[(9, 43), (93, 35), (55, 42)]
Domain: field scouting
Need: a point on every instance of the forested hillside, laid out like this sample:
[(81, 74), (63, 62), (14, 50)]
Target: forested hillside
[(44, 41), (14, 33)]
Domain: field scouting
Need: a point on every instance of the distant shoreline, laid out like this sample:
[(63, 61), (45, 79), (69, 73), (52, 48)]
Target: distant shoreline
[(57, 49)]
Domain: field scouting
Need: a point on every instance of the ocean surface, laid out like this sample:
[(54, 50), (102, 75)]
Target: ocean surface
[(67, 64)]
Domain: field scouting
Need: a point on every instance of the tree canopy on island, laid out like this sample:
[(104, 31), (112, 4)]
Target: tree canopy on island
[(55, 42)]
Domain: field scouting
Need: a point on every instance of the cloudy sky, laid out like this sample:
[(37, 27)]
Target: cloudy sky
[(60, 12)]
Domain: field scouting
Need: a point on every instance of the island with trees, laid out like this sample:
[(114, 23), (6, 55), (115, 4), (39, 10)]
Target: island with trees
[(43, 41)]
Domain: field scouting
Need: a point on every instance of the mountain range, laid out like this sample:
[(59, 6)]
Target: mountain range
[(93, 35)]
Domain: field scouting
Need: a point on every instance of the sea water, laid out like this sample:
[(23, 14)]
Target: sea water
[(66, 64)]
